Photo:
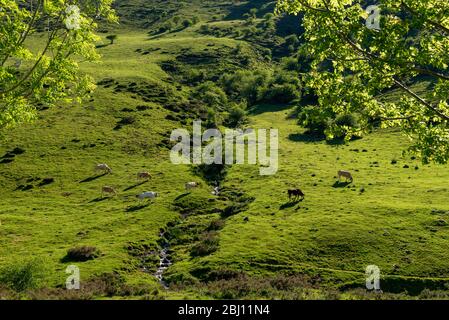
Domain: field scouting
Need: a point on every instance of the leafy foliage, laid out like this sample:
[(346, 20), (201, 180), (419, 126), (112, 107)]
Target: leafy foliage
[(237, 116), (49, 73), (353, 64)]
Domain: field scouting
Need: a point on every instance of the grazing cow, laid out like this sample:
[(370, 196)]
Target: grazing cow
[(295, 193), (103, 167), (143, 175), (109, 190), (192, 185), (345, 174), (147, 195)]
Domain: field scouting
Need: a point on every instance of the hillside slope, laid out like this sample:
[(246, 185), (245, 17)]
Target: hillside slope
[(250, 241)]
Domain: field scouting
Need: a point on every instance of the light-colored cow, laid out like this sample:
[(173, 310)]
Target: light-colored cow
[(103, 167), (345, 174), (191, 185), (147, 195)]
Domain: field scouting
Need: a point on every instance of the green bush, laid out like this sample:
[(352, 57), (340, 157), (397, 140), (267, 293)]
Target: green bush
[(247, 85), (348, 120), (210, 94), (205, 29), (237, 116), (216, 225), (211, 172), (166, 27), (313, 119), (268, 16), (212, 120), (262, 86), (344, 126), (23, 276), (207, 245), (290, 64), (187, 23), (282, 93), (292, 40)]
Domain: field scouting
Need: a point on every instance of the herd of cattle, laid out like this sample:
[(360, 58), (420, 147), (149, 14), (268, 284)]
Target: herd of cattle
[(294, 194), (140, 176)]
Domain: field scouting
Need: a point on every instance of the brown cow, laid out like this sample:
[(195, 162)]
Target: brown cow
[(109, 190), (295, 193), (144, 175), (345, 174)]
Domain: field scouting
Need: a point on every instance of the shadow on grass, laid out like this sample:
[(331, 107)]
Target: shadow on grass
[(99, 199), (182, 196), (6, 160), (137, 207), (290, 204), (339, 184), (98, 46), (135, 185), (263, 108), (90, 179), (306, 137)]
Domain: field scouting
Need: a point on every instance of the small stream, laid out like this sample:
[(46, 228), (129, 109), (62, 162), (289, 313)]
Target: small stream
[(164, 261)]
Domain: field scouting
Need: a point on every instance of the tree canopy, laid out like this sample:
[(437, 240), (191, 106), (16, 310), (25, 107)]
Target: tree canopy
[(45, 71), (354, 64)]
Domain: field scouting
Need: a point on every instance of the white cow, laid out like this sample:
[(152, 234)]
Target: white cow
[(192, 185), (103, 167), (147, 195)]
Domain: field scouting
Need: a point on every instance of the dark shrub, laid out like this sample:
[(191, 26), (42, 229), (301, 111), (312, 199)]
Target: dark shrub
[(348, 120), (292, 40), (237, 117), (234, 209), (81, 254), (211, 172), (212, 119), (216, 225), (207, 245), (282, 93), (187, 23), (124, 121), (290, 64), (205, 29), (311, 118)]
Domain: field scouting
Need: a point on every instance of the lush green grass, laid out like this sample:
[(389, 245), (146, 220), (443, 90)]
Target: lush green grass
[(391, 216)]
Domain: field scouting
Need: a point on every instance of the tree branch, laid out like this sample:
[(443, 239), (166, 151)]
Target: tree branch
[(435, 24), (421, 100)]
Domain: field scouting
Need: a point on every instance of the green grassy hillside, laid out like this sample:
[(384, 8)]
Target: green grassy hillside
[(250, 241)]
